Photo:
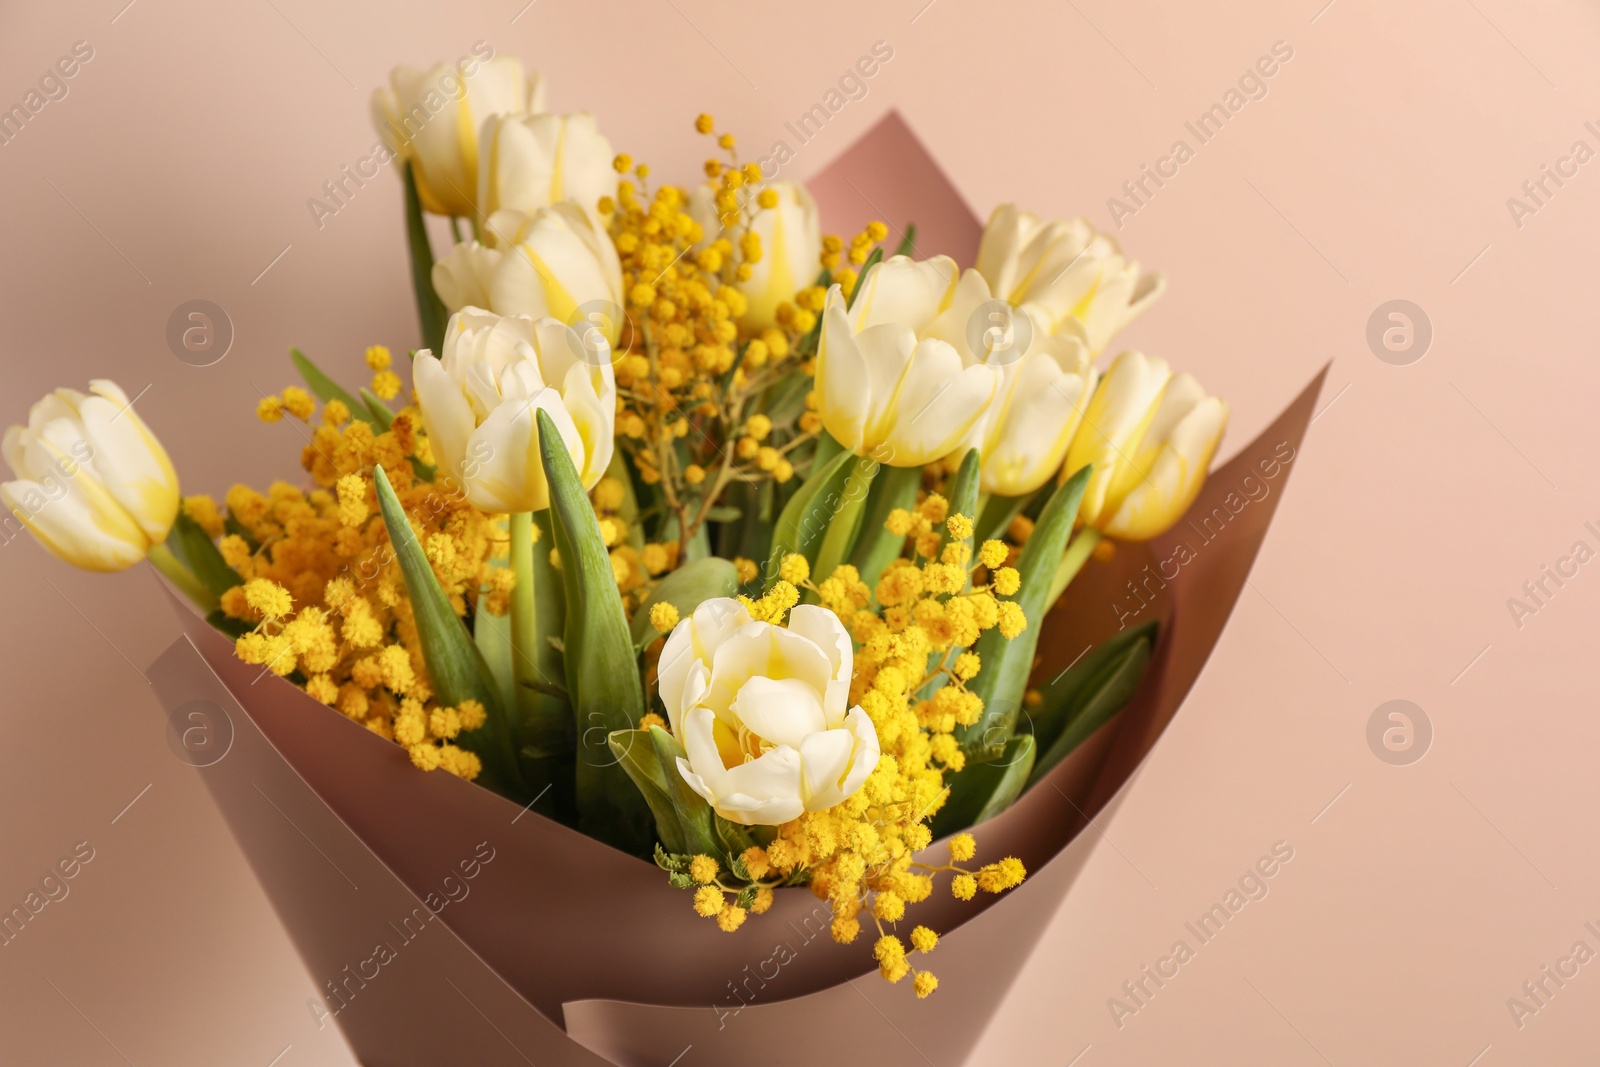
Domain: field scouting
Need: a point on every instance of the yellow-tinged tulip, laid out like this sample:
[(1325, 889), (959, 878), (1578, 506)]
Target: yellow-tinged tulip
[(884, 388), (478, 405), (1065, 269), (791, 242), (556, 263), (93, 483), (1045, 380), (431, 119), (533, 161), (764, 712), (1150, 435)]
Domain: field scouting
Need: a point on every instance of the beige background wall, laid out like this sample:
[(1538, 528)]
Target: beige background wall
[(1377, 167)]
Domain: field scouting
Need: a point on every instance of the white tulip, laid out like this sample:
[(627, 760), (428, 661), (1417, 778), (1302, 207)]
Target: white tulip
[(791, 246), (478, 405), (1064, 269), (431, 119), (533, 161), (548, 264), (884, 388), (1151, 436), (762, 712), (1045, 380), (93, 483)]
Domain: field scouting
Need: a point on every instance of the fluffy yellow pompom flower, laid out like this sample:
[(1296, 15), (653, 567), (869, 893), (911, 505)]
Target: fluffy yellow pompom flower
[(703, 869), (1007, 580), (663, 616), (962, 848), (964, 887), (794, 569), (998, 877), (708, 901), (299, 402), (472, 714), (924, 983), (386, 384), (924, 939), (268, 597)]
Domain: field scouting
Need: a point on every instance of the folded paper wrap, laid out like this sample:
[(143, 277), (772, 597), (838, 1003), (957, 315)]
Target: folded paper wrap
[(441, 923)]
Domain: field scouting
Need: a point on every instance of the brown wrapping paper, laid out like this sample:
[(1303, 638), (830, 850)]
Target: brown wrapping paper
[(443, 924)]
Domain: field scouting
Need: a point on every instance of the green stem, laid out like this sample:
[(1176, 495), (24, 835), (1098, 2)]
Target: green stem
[(455, 228), (845, 523), (524, 625), (1077, 554), (179, 575)]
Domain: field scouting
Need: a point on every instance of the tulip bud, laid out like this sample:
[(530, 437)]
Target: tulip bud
[(882, 392), (556, 263), (1044, 384), (533, 161), (478, 405), (93, 484), (790, 234), (1150, 435), (1064, 270), (430, 119)]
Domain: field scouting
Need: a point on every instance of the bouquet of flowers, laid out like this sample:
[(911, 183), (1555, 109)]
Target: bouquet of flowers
[(719, 540)]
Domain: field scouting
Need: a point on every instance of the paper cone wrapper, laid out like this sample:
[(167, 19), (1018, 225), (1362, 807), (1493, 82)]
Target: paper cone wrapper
[(444, 924)]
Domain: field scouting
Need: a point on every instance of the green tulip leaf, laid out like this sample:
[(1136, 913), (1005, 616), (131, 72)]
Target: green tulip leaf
[(983, 790), (997, 514), (908, 241), (694, 814), (196, 551), (876, 547), (455, 666), (845, 528), (382, 417), (431, 313), (963, 494), (325, 388), (635, 752), (805, 519), (602, 673), (1003, 676), (1101, 689)]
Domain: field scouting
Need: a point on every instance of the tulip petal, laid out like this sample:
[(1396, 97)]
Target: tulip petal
[(691, 645), (825, 760), (593, 420), (129, 460), (764, 792), (71, 530), (824, 629), (504, 463), (768, 651), (1113, 425), (780, 711), (867, 751), (446, 415), (1028, 434), (904, 291), (1173, 480), (844, 390), (937, 404), (461, 276)]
